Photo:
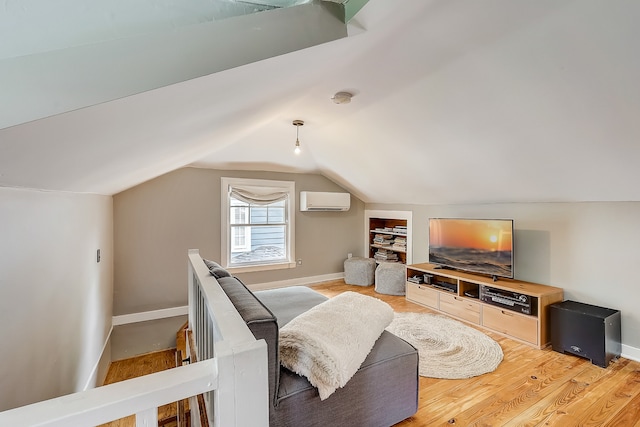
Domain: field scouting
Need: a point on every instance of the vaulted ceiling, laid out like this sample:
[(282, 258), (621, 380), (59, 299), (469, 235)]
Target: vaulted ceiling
[(455, 101)]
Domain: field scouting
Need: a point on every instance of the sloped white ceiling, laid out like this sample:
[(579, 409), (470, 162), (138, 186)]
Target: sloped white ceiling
[(455, 102)]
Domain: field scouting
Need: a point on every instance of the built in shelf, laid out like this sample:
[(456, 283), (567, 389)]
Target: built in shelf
[(385, 227)]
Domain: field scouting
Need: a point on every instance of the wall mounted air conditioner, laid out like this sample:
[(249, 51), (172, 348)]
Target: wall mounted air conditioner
[(323, 201)]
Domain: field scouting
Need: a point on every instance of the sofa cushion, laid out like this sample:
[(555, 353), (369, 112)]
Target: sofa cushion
[(261, 322), (287, 303), (216, 269)]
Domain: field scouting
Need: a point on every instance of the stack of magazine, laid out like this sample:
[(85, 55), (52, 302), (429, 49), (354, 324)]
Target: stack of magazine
[(383, 239), (400, 243), (384, 255)]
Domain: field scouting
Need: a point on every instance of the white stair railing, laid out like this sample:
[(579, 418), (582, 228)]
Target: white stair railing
[(219, 329), (232, 372), (141, 396)]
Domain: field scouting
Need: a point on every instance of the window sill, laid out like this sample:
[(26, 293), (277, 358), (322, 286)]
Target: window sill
[(261, 267)]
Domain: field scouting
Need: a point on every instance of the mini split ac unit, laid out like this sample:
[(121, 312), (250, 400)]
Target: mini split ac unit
[(322, 201)]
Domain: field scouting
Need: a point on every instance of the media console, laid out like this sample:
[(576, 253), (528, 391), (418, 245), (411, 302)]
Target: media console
[(517, 309)]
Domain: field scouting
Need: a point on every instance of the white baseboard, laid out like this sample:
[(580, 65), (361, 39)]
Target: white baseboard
[(300, 281), (632, 353), (144, 316)]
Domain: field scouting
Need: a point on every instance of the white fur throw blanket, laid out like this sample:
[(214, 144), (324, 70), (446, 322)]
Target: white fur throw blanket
[(328, 343)]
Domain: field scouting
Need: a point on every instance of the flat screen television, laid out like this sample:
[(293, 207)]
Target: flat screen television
[(483, 246)]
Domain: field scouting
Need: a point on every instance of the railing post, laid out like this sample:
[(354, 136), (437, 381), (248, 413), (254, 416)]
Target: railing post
[(252, 384), (241, 398), (191, 287), (147, 418)]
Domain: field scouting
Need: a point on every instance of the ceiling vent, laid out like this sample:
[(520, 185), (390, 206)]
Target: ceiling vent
[(323, 201)]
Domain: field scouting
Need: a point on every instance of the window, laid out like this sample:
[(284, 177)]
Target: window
[(257, 224)]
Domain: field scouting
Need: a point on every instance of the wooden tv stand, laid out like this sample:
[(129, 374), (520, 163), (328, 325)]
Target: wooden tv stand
[(454, 293)]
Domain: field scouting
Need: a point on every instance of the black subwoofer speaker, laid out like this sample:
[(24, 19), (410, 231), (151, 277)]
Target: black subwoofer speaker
[(586, 330)]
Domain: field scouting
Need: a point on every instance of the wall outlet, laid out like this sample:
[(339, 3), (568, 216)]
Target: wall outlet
[(349, 255), (299, 261), (98, 255)]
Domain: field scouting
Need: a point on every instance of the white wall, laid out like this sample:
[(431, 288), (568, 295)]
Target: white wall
[(55, 299), (591, 250)]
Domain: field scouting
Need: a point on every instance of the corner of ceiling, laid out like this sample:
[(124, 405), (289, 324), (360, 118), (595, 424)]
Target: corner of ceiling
[(344, 10), (352, 7)]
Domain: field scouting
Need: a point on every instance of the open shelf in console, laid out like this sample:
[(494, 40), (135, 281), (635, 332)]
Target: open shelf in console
[(469, 289), (447, 284)]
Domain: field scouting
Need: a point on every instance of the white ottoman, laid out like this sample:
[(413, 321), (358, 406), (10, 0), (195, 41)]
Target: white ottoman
[(391, 278), (359, 271)]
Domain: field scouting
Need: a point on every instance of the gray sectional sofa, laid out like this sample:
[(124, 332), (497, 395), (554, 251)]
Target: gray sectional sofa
[(384, 391)]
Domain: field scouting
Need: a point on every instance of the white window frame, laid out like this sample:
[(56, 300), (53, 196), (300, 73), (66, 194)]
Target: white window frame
[(225, 223), (246, 238), (246, 231)]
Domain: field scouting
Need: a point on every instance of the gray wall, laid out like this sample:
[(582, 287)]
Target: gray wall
[(588, 249), (133, 339), (55, 299), (156, 223)]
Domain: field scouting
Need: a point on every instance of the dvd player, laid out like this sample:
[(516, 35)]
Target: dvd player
[(445, 286)]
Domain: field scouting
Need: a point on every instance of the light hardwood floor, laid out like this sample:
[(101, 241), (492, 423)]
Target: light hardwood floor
[(134, 367), (530, 387)]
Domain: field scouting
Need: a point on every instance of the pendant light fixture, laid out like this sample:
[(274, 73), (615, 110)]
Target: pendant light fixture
[(297, 124)]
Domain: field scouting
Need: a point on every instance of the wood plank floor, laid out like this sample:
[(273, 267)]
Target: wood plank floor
[(530, 387), (134, 367)]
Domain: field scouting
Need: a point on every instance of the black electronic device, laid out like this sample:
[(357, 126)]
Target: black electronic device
[(586, 330), (445, 286), (509, 300)]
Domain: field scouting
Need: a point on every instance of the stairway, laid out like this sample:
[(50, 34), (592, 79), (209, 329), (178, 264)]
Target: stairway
[(171, 415)]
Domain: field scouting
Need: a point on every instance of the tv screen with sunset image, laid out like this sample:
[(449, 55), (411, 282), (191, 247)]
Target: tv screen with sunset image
[(482, 246)]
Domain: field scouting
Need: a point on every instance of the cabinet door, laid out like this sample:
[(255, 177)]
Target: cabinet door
[(460, 307), (510, 323), (422, 295)]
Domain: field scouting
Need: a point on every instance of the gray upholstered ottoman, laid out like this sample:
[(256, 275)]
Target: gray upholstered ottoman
[(390, 278), (359, 271)]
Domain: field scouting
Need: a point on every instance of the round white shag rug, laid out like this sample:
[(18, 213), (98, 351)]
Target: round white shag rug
[(446, 347)]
